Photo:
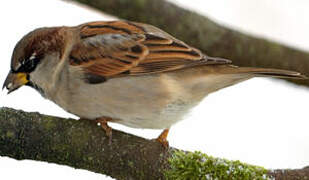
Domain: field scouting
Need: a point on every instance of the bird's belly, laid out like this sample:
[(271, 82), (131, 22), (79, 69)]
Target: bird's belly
[(150, 101), (154, 101)]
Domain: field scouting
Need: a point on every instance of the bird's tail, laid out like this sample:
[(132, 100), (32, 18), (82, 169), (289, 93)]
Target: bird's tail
[(208, 79), (268, 72)]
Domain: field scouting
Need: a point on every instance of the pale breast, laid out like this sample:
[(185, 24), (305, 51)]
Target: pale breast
[(152, 101)]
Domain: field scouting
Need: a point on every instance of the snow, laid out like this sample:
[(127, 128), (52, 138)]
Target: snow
[(261, 121)]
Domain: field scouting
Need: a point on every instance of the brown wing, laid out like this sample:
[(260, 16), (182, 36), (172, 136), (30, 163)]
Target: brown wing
[(117, 48)]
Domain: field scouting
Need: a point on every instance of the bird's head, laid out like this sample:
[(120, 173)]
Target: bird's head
[(30, 58)]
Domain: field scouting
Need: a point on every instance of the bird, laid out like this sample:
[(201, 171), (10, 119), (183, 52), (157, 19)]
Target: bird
[(125, 72)]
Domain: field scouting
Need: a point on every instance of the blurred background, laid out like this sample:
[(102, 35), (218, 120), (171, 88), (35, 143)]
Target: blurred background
[(260, 121)]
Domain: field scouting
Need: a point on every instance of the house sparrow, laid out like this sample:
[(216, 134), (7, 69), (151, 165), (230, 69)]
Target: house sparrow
[(126, 72)]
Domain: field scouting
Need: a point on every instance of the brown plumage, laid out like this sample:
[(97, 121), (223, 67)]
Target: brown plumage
[(127, 72), (113, 48)]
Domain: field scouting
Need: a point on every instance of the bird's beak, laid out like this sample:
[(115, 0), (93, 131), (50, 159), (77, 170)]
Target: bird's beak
[(14, 81)]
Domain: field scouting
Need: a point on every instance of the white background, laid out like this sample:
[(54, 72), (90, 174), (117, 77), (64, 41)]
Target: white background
[(260, 121)]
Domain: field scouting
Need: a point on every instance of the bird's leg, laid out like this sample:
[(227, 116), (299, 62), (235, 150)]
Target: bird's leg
[(162, 138), (108, 130)]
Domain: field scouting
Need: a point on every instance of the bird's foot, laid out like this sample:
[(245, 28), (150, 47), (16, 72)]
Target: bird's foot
[(108, 130), (162, 139)]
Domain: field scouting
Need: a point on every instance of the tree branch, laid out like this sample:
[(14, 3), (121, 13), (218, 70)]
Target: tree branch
[(206, 35), (79, 144), (82, 144)]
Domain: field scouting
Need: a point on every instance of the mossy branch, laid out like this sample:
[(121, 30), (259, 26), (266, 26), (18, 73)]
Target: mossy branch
[(82, 144), (211, 38)]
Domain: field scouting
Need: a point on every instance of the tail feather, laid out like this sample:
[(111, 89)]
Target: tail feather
[(279, 73)]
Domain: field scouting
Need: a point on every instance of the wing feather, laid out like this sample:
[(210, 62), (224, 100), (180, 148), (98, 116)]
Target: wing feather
[(117, 48)]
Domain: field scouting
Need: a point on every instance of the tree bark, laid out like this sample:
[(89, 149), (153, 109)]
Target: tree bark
[(79, 144), (82, 144), (211, 38)]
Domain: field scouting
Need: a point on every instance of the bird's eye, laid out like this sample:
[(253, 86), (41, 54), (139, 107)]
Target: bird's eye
[(29, 65)]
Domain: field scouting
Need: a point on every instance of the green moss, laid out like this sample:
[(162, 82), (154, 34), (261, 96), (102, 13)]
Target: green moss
[(79, 138), (131, 164), (203, 167), (10, 134), (140, 3), (49, 124)]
